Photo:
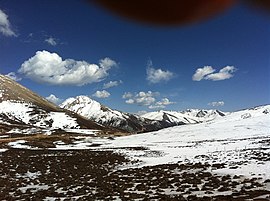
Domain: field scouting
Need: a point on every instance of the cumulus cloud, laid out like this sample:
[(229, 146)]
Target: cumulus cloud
[(164, 101), (13, 76), (157, 75), (161, 104), (52, 98), (102, 94), (51, 41), (107, 63), (5, 27), (216, 104), (127, 95), (148, 99), (153, 107), (223, 74), (207, 73), (202, 72), (111, 84), (141, 98), (50, 68), (130, 101)]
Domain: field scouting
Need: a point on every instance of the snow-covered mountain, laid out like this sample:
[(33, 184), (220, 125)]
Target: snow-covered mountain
[(101, 114), (20, 107), (190, 116)]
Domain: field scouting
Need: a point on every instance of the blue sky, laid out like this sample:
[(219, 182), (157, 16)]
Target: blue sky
[(74, 48)]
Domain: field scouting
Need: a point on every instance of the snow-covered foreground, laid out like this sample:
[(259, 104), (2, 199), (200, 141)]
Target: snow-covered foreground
[(241, 140)]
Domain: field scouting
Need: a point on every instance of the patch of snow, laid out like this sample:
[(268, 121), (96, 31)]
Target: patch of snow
[(82, 131), (16, 110), (19, 144), (34, 188), (3, 150), (81, 143), (28, 174), (61, 120)]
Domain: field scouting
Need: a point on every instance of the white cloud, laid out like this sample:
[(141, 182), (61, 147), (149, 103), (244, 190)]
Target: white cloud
[(164, 101), (13, 76), (146, 99), (130, 101), (102, 94), (127, 95), (202, 72), (51, 41), (111, 84), (107, 63), (153, 107), (158, 75), (46, 67), (5, 27), (141, 98), (52, 98), (223, 74), (216, 104), (207, 73), (161, 104)]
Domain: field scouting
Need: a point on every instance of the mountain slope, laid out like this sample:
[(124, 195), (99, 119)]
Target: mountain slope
[(171, 117), (22, 107), (184, 117), (93, 110), (205, 114)]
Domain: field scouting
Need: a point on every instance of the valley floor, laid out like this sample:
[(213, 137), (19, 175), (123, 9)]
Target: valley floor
[(225, 159), (95, 175)]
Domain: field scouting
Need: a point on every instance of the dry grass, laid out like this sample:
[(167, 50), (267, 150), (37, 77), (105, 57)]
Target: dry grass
[(39, 140)]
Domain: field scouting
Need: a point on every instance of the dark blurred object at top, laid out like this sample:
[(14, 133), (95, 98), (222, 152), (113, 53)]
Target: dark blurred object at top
[(166, 12), (173, 12), (264, 4)]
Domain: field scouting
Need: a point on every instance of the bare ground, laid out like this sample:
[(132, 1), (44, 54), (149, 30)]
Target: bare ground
[(96, 175)]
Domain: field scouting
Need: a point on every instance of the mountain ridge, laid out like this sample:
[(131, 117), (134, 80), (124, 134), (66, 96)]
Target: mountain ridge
[(151, 121), (99, 113)]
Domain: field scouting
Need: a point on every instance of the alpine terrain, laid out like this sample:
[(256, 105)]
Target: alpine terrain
[(101, 114), (22, 110), (151, 121)]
